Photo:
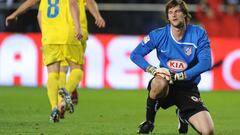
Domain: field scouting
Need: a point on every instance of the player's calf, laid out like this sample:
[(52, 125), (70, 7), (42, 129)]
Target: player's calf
[(182, 125)]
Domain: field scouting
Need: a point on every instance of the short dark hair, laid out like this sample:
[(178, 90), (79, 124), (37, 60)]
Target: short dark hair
[(183, 6)]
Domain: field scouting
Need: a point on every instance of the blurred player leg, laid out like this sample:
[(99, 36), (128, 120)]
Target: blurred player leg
[(68, 105), (72, 82), (74, 96), (74, 78), (64, 101), (74, 56), (52, 58), (62, 83), (52, 87), (63, 74)]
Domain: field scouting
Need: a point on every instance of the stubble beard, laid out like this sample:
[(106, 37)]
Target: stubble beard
[(180, 25)]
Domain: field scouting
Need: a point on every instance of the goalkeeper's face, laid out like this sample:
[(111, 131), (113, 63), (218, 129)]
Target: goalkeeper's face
[(176, 17)]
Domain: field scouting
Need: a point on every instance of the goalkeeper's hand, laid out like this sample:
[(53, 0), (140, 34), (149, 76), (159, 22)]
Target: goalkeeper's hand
[(151, 69), (162, 72), (178, 76)]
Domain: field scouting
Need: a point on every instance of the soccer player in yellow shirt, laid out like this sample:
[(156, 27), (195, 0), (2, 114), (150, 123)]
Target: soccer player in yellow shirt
[(100, 22), (56, 35)]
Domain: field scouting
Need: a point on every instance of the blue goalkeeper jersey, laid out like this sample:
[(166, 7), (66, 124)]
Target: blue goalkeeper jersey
[(191, 54)]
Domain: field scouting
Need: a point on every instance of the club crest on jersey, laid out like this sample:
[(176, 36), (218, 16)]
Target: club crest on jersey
[(146, 39), (177, 65), (188, 50)]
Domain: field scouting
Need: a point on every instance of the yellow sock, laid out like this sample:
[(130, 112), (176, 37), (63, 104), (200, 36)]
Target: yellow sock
[(62, 79), (62, 83), (52, 87), (73, 80)]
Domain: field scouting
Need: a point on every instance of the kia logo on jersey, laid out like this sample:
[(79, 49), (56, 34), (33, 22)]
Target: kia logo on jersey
[(177, 65)]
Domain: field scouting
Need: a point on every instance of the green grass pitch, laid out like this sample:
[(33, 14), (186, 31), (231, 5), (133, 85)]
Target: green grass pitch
[(25, 111)]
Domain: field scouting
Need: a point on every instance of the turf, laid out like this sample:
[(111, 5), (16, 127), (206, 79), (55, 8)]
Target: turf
[(25, 111)]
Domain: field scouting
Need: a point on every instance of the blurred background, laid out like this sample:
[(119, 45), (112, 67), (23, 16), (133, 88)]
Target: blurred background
[(112, 98), (141, 16), (127, 22)]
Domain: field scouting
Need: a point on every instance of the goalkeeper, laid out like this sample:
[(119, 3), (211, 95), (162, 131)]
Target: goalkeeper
[(184, 53)]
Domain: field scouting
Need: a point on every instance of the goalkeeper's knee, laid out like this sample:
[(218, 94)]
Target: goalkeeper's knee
[(159, 87)]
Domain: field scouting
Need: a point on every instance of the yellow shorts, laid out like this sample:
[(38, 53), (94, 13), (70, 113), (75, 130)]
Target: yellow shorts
[(60, 53)]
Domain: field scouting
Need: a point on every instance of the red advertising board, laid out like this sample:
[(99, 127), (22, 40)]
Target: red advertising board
[(227, 75), (107, 63)]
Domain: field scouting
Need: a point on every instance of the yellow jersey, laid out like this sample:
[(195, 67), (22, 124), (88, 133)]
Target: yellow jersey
[(55, 26), (83, 24)]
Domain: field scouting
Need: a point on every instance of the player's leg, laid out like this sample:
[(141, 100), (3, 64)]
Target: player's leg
[(202, 122), (65, 102), (182, 124), (72, 82), (51, 58), (68, 105), (62, 83), (74, 94), (63, 74), (192, 109), (52, 83), (158, 88), (75, 76), (52, 88), (75, 57)]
